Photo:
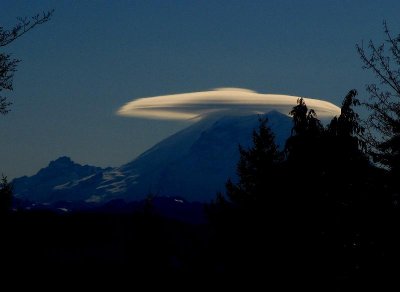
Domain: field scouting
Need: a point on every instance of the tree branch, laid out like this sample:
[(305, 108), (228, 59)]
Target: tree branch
[(22, 27)]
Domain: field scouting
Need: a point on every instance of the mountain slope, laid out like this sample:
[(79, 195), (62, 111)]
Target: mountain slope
[(195, 162)]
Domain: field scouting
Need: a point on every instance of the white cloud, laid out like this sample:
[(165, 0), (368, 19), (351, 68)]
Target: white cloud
[(196, 105)]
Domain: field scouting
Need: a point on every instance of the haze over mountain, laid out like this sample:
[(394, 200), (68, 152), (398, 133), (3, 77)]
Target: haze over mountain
[(193, 164)]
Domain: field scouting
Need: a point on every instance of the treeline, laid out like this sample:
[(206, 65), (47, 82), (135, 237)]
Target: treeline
[(324, 213), (318, 212)]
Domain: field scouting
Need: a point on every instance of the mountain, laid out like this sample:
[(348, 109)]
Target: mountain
[(193, 164), (49, 183), (196, 162)]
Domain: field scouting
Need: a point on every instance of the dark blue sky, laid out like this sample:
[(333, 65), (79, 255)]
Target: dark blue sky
[(94, 56)]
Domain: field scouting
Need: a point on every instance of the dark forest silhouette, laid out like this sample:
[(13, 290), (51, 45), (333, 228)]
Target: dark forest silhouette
[(320, 215)]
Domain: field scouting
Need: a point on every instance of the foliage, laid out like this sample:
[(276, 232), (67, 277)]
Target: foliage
[(6, 195), (306, 135), (384, 121), (304, 121), (319, 210), (8, 65)]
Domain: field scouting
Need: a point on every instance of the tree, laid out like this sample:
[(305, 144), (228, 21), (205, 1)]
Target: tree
[(305, 137), (384, 134), (8, 65), (384, 61), (347, 172), (244, 219), (322, 211), (6, 194), (345, 133), (304, 121), (257, 168)]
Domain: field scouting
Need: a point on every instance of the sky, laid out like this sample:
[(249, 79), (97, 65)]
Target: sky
[(93, 57)]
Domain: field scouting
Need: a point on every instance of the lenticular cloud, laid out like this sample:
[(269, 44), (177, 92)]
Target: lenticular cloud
[(197, 105)]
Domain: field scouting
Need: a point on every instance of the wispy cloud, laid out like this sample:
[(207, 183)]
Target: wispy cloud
[(196, 105)]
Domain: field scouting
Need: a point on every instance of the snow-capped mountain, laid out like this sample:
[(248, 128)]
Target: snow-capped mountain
[(48, 184), (193, 164)]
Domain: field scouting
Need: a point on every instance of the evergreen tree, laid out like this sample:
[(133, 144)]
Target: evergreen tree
[(352, 205), (257, 168), (306, 134), (243, 221), (6, 195), (344, 139), (318, 212), (330, 191)]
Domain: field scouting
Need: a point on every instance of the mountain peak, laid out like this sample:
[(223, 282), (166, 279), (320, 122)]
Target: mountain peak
[(56, 182), (63, 161)]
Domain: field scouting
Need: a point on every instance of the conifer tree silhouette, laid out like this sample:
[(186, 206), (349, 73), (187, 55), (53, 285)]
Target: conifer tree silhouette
[(257, 168), (6, 196), (245, 220)]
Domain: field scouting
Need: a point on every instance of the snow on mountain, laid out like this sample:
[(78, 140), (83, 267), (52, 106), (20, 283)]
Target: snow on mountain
[(53, 182), (193, 164), (196, 162)]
